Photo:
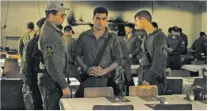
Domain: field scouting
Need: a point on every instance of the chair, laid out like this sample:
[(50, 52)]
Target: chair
[(173, 107), (113, 107), (99, 92), (11, 94), (174, 86), (143, 91), (11, 68), (180, 73)]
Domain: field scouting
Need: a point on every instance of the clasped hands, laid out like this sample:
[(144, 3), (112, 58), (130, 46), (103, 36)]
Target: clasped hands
[(96, 71)]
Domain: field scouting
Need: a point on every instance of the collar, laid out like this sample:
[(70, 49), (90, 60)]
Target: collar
[(90, 33)]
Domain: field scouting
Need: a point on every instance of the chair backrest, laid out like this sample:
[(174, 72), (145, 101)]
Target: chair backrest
[(173, 107), (174, 86), (143, 91), (99, 92), (11, 94), (180, 73), (11, 68), (113, 107)]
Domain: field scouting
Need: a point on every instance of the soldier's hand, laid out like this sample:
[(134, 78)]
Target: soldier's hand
[(66, 92), (91, 70), (101, 71), (145, 83)]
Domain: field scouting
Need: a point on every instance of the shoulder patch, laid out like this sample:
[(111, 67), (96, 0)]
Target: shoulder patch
[(49, 49)]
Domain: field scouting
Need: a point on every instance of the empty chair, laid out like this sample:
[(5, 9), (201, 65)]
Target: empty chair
[(143, 91), (11, 68), (113, 107), (180, 73), (11, 94), (174, 86), (173, 107), (99, 92)]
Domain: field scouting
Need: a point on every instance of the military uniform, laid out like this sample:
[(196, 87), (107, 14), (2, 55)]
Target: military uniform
[(134, 47), (200, 46), (24, 40), (178, 46), (55, 59), (185, 39), (31, 91), (69, 43), (153, 71), (87, 48), (27, 92)]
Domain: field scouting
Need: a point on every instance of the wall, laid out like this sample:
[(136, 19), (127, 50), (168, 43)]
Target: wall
[(183, 14)]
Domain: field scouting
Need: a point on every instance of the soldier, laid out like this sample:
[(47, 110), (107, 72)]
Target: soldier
[(153, 65), (31, 93), (185, 39), (133, 43), (176, 46), (98, 52), (69, 42), (200, 46), (52, 83), (26, 37)]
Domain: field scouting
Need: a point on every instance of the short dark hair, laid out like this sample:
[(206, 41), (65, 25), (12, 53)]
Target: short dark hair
[(30, 25), (68, 28), (180, 30), (202, 33), (130, 25), (59, 26), (175, 29), (48, 12), (145, 14), (100, 10), (154, 24), (40, 22), (170, 29)]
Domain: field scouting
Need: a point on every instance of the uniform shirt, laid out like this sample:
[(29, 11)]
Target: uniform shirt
[(52, 47), (87, 48), (69, 44), (177, 44), (156, 45), (23, 41), (29, 76), (133, 45), (185, 39), (125, 50), (200, 46)]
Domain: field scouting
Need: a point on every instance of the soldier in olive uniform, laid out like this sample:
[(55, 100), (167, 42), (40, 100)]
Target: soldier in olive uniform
[(52, 83), (31, 93), (200, 46), (69, 42), (88, 46), (26, 37), (154, 60), (176, 46)]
